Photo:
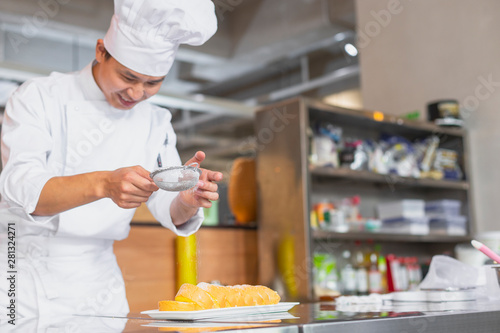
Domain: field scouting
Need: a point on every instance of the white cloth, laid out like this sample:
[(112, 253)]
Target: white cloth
[(144, 35), (59, 126)]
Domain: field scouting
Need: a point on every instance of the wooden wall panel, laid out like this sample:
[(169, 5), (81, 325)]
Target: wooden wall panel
[(147, 260), (227, 255)]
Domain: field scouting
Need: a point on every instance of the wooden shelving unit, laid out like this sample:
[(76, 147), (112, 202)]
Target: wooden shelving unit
[(289, 186)]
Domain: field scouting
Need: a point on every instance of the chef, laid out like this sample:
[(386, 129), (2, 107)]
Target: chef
[(77, 151)]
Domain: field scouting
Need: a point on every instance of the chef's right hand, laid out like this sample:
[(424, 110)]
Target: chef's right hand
[(129, 187)]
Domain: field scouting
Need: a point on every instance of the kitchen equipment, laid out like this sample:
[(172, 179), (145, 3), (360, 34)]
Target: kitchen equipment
[(444, 113), (177, 178), (492, 282)]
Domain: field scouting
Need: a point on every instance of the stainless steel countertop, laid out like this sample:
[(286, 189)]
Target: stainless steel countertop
[(456, 317)]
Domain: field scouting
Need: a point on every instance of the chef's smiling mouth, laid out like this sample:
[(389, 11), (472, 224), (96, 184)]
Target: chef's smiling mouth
[(126, 102)]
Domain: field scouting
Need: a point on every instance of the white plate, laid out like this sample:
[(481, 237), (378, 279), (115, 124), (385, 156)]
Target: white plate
[(241, 321), (223, 312)]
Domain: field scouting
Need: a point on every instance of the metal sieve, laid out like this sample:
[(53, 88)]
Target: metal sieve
[(177, 178)]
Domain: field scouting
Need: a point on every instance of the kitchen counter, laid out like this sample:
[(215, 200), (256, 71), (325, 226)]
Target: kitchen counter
[(453, 317)]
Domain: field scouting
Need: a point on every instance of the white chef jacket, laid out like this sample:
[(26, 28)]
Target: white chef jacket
[(62, 125)]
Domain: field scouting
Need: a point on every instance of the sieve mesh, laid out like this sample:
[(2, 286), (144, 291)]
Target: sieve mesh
[(177, 178)]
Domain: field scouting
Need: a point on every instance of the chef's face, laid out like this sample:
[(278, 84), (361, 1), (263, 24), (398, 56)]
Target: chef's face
[(123, 87)]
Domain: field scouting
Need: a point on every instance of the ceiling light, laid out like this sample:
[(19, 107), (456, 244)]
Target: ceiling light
[(199, 97), (351, 49)]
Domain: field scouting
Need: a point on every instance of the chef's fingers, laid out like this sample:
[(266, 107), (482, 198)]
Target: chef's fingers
[(134, 185), (205, 203), (198, 157), (207, 195), (126, 200), (139, 177), (146, 186), (214, 176), (129, 180), (141, 171), (204, 185), (128, 205), (138, 193), (130, 192), (209, 175), (198, 199)]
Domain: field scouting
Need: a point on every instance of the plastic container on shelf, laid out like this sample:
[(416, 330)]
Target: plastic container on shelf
[(401, 225), (407, 209), (443, 207), (449, 225)]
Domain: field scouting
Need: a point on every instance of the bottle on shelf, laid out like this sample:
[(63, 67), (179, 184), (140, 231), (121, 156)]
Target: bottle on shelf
[(382, 267), (393, 273), (403, 273), (361, 265), (347, 274), (374, 275), (414, 273), (418, 271)]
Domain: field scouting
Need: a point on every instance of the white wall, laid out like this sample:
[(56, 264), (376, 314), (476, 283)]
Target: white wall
[(415, 51)]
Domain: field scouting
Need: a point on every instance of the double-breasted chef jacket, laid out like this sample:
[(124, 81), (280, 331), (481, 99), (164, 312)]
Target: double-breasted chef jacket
[(62, 125)]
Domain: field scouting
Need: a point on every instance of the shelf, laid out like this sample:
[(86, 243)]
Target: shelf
[(388, 120), (388, 237), (367, 176)]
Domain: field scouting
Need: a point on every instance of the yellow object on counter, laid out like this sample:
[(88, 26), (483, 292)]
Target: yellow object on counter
[(186, 260)]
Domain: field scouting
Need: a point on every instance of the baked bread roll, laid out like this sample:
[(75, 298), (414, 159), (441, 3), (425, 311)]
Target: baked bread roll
[(205, 296), (190, 293), (177, 306), (241, 295)]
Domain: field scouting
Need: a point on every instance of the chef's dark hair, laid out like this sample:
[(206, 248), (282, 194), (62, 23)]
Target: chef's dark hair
[(107, 55)]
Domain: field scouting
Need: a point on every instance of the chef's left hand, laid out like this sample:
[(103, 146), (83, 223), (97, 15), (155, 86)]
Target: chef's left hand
[(206, 190)]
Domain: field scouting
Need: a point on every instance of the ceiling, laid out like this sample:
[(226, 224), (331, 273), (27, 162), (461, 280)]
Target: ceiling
[(263, 51)]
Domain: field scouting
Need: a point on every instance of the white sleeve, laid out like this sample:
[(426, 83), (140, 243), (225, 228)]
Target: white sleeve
[(25, 145), (160, 201)]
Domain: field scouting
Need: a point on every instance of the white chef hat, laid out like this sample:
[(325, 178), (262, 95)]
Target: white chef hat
[(144, 35)]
